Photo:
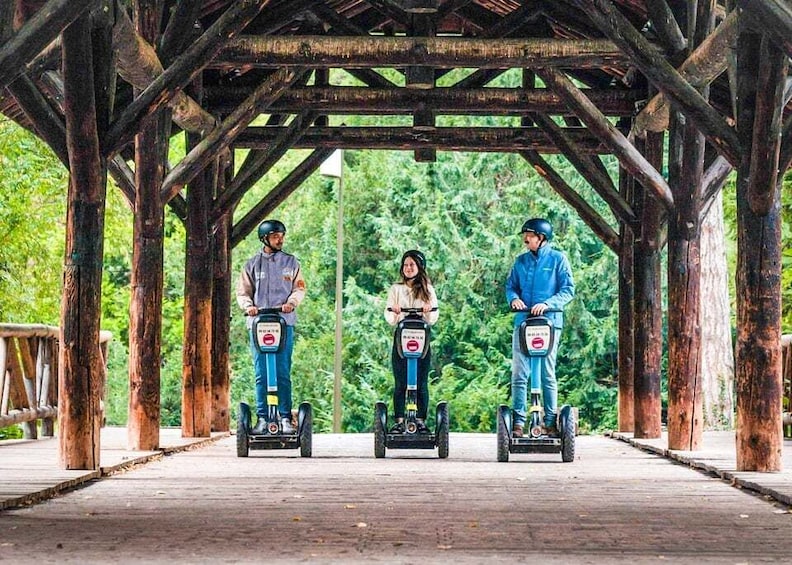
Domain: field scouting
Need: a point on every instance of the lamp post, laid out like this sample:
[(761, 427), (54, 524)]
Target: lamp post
[(333, 167)]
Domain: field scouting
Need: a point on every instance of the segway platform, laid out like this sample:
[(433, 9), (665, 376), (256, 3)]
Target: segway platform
[(273, 437)]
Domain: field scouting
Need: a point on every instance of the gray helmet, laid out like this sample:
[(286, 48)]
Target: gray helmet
[(417, 256), (538, 226), (269, 226)]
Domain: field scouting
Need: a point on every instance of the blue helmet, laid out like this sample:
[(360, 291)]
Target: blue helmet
[(538, 226)]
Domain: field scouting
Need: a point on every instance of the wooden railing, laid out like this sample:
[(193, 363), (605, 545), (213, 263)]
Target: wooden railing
[(29, 376)]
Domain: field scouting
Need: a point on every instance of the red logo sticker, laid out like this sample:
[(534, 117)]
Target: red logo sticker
[(537, 343), (268, 339), (413, 345)]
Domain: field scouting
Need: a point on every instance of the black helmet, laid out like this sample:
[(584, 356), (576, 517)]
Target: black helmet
[(417, 256), (269, 226), (539, 226)]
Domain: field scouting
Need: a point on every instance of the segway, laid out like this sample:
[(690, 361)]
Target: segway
[(412, 335), (269, 328), (536, 340)]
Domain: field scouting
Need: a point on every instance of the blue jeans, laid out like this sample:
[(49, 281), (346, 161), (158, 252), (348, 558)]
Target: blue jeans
[(521, 377), (283, 361)]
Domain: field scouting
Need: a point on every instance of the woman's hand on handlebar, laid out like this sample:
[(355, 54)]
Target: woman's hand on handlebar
[(539, 309), (251, 311)]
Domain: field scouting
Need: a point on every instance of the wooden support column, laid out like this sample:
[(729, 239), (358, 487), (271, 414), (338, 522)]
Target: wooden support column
[(221, 309), (197, 349), (81, 377), (647, 301), (758, 349), (626, 408), (686, 166), (148, 234)]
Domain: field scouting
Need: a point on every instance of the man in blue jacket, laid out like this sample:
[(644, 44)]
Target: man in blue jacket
[(540, 280)]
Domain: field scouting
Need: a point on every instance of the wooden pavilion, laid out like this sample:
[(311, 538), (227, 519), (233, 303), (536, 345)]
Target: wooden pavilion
[(695, 87)]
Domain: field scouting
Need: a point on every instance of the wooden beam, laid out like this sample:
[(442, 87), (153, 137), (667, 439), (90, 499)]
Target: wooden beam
[(448, 101), (586, 212), (47, 122), (374, 52), (278, 194), (80, 359), (484, 139), (711, 183), (666, 26), (706, 63), (181, 72), (36, 34), (773, 17), (630, 158), (626, 322), (180, 31), (221, 137), (599, 180), (663, 75), (258, 163)]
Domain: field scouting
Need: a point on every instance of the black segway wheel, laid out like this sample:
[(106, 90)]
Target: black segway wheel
[(504, 432), (305, 428), (380, 419), (567, 427), (243, 425), (442, 430)]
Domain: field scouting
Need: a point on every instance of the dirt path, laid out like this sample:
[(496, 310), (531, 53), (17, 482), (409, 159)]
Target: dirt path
[(614, 503)]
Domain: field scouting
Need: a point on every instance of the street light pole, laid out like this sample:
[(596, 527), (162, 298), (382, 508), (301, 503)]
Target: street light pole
[(333, 167)]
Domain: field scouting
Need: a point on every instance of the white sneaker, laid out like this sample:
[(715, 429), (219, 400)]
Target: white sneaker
[(286, 426)]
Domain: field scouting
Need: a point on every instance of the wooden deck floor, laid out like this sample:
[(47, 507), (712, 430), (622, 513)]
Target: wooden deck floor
[(614, 503)]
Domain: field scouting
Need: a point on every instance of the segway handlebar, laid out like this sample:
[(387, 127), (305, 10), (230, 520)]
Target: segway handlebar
[(528, 310), (414, 310), (275, 310)]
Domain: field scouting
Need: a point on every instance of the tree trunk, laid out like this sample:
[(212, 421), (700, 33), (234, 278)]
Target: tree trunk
[(717, 349)]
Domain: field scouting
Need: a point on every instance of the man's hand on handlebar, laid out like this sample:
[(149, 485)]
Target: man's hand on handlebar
[(539, 309), (536, 310)]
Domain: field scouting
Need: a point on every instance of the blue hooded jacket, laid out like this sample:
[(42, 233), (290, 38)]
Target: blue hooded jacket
[(542, 277)]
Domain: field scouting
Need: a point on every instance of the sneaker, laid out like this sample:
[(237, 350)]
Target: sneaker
[(260, 427), (421, 428), (517, 431), (551, 431), (286, 426), (398, 428)]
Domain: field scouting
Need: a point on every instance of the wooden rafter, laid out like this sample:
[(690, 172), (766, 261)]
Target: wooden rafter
[(221, 137), (181, 72), (663, 76), (628, 155), (36, 34)]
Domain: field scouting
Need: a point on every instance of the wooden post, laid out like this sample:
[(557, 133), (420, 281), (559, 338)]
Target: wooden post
[(758, 351), (221, 312), (648, 303), (197, 351), (148, 233), (626, 399), (686, 166), (80, 360)]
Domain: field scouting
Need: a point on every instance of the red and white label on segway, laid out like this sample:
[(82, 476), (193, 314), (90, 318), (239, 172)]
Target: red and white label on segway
[(268, 334), (413, 341), (537, 339)]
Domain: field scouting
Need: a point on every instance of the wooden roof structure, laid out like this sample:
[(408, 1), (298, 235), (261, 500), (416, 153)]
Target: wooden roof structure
[(106, 83)]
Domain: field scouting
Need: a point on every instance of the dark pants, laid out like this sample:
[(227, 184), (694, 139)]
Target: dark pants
[(400, 383)]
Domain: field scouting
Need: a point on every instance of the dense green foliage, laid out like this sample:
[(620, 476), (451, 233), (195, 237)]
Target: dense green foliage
[(463, 211)]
